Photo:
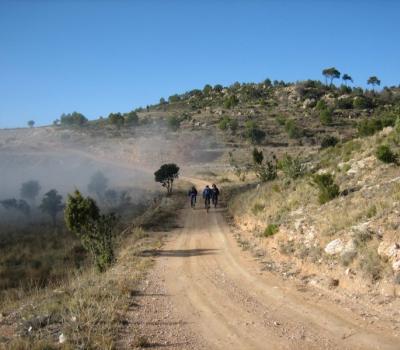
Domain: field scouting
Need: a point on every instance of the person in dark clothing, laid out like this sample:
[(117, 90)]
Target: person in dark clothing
[(193, 196), (207, 195), (215, 195)]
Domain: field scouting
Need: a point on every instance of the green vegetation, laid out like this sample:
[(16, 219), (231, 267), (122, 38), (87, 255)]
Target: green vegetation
[(265, 171), (73, 119), (174, 123), (270, 230), (385, 154), (373, 81), (231, 101), (331, 73), (292, 167), (166, 176), (227, 123), (253, 133), (329, 141), (292, 129), (328, 190), (52, 205), (325, 116), (95, 230), (31, 123)]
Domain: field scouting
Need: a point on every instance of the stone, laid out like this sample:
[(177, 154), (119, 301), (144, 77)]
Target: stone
[(396, 266), (334, 247), (350, 247), (62, 338)]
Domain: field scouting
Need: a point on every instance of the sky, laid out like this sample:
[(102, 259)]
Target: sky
[(98, 57)]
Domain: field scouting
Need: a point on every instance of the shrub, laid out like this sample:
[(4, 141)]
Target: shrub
[(254, 134), (329, 141), (116, 119), (363, 102), (325, 116), (281, 120), (174, 98), (292, 167), (368, 127), (131, 118), (321, 105), (231, 101), (173, 123), (385, 154), (74, 118), (82, 216), (328, 190), (233, 125), (264, 171), (270, 230), (371, 264), (344, 103), (292, 129), (258, 156), (224, 123)]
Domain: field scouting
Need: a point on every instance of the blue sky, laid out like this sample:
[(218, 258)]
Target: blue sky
[(98, 57)]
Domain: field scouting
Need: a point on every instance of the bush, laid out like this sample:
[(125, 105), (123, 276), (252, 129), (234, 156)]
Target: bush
[(292, 129), (325, 116), (368, 127), (362, 102), (328, 190), (231, 101), (254, 134), (270, 230), (329, 141), (73, 118), (385, 154), (344, 103), (82, 216), (264, 171), (292, 167), (173, 123), (371, 264), (224, 123), (321, 105)]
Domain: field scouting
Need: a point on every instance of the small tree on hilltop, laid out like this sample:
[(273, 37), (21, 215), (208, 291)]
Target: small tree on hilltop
[(330, 73), (30, 190), (52, 204), (131, 118), (373, 81), (31, 123), (82, 216), (166, 175), (346, 78)]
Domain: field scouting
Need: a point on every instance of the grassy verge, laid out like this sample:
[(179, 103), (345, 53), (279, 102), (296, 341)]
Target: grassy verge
[(88, 310)]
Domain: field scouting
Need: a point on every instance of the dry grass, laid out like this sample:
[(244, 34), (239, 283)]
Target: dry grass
[(90, 307)]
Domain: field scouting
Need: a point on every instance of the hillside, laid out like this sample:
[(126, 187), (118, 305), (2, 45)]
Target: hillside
[(309, 214)]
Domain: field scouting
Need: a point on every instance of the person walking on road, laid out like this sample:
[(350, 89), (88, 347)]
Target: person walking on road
[(193, 196), (215, 195), (207, 195)]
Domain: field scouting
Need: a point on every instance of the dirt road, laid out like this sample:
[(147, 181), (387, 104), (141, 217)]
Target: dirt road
[(212, 295)]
